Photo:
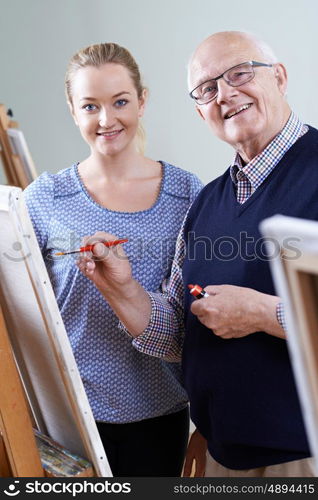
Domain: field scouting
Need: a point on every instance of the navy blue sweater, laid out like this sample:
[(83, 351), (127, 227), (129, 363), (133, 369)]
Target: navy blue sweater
[(242, 391)]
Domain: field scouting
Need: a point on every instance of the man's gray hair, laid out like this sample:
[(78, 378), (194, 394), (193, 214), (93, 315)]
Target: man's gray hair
[(264, 47)]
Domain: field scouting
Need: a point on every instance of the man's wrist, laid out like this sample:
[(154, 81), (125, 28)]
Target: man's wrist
[(123, 291), (268, 319)]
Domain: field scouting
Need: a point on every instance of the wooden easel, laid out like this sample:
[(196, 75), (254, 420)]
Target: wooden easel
[(19, 453), (22, 453), (16, 172), (19, 456)]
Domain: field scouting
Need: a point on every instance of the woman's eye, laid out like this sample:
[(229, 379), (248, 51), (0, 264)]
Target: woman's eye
[(89, 107), (121, 102)]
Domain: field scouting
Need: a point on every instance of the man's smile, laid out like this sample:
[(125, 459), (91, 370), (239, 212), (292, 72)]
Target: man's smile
[(235, 111)]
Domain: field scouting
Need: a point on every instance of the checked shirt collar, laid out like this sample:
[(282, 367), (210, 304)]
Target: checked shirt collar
[(247, 178)]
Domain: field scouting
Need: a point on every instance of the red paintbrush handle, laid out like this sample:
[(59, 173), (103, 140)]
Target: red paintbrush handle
[(89, 248)]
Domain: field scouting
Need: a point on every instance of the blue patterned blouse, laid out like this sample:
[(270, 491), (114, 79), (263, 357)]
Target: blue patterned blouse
[(122, 384)]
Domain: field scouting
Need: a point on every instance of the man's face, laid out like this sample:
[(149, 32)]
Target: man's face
[(246, 117)]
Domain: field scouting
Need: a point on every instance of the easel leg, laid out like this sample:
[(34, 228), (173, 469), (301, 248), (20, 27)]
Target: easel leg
[(18, 439), (5, 470)]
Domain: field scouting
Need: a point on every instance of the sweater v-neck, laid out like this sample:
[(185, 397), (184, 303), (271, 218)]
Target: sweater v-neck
[(282, 164)]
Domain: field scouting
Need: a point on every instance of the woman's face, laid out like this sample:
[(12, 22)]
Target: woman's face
[(106, 108)]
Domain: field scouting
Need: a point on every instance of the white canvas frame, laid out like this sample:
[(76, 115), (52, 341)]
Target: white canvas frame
[(40, 343), (293, 247)]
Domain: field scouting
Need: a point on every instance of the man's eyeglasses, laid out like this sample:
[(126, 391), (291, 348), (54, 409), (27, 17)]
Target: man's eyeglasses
[(236, 76)]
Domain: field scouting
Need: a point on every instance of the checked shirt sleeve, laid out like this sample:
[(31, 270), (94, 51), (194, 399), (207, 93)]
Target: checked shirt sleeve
[(163, 337), (280, 315)]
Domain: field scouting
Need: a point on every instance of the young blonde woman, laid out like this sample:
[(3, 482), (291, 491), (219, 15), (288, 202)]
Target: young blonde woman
[(138, 401)]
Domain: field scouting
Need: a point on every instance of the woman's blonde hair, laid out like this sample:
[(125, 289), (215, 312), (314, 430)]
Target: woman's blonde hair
[(102, 53)]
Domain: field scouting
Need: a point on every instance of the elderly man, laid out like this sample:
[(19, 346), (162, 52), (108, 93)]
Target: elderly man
[(235, 360)]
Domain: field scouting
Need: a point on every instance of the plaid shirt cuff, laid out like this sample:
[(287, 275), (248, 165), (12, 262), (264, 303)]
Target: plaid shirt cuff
[(162, 337), (280, 315)]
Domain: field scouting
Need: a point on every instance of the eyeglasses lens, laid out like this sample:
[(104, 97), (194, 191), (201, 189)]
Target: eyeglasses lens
[(207, 91), (239, 75), (235, 77)]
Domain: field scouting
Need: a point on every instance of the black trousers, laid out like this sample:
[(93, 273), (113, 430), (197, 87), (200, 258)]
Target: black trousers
[(154, 447)]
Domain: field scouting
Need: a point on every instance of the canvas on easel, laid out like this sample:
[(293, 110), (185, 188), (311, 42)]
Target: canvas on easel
[(40, 343), (293, 257), (16, 159), (20, 149)]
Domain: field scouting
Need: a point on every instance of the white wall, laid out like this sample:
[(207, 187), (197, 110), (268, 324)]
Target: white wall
[(37, 38)]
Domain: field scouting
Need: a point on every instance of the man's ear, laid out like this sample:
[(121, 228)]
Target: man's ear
[(281, 77), (200, 112)]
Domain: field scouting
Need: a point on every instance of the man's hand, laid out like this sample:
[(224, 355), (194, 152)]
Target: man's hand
[(196, 456), (234, 312), (107, 267)]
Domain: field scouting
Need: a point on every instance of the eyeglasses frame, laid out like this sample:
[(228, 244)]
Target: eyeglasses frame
[(253, 64)]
